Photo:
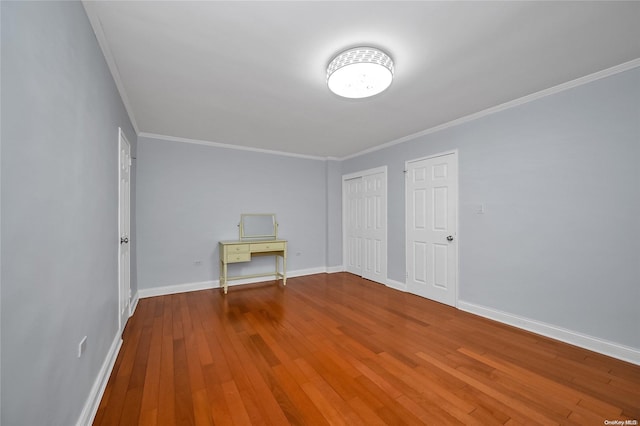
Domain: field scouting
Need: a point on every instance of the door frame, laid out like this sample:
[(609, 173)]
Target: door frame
[(457, 222), (362, 174), (121, 324)]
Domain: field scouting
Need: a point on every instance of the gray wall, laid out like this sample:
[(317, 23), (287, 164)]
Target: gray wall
[(560, 181), (191, 196), (334, 214), (60, 117)]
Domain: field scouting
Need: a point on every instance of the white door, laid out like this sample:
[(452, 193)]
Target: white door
[(431, 223), (365, 224), (374, 230), (124, 225), (353, 220)]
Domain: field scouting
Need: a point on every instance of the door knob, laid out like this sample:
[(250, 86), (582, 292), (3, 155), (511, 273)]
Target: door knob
[(124, 240), (450, 238)]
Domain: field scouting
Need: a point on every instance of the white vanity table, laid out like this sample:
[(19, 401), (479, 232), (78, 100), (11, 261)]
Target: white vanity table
[(258, 237)]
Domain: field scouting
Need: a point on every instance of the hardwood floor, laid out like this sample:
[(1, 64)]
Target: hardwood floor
[(337, 349)]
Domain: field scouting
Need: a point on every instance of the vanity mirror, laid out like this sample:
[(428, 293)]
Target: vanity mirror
[(257, 226)]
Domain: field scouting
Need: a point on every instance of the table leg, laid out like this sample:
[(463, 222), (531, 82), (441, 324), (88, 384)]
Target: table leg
[(284, 270), (224, 277)]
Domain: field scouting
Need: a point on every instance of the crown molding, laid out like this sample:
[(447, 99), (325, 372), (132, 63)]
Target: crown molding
[(228, 146), (94, 19), (511, 104)]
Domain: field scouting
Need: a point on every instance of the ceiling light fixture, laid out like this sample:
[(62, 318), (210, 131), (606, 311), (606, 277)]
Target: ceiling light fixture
[(360, 72)]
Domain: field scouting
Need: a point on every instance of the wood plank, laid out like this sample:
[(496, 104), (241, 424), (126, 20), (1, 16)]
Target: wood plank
[(151, 386), (166, 393)]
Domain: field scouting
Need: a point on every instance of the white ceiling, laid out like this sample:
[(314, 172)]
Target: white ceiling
[(252, 74)]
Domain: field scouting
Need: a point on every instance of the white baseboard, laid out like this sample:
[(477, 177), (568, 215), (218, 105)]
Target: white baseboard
[(176, 288), (99, 385), (334, 269), (396, 285), (595, 344), (206, 285), (134, 304), (309, 271)]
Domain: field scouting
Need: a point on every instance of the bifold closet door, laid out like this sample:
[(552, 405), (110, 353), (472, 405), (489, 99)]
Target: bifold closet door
[(374, 227), (365, 223), (353, 225)]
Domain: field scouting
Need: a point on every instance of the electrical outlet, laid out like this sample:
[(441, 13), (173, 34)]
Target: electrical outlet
[(82, 346)]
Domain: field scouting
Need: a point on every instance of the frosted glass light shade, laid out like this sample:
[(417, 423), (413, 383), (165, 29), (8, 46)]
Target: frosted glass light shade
[(360, 72)]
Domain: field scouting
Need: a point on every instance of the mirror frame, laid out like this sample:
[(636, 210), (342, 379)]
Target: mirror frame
[(271, 236)]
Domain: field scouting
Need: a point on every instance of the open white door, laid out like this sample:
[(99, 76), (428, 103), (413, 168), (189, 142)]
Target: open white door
[(124, 226), (431, 223)]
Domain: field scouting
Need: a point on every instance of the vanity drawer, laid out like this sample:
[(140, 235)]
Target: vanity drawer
[(238, 257), (237, 248), (258, 247)]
